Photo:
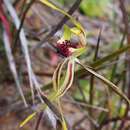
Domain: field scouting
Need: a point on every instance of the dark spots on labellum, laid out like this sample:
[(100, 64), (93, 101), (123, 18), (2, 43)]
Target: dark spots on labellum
[(63, 48)]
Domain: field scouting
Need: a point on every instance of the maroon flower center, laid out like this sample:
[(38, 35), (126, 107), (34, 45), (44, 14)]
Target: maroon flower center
[(64, 48)]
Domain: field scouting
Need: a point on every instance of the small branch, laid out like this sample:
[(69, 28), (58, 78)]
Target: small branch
[(21, 24), (91, 92), (111, 120), (125, 19), (126, 24), (114, 69), (38, 73), (38, 121), (92, 77)]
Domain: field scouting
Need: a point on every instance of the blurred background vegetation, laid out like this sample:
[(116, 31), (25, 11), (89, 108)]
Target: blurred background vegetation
[(89, 104)]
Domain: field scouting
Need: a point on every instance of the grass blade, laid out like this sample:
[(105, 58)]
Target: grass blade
[(13, 66), (23, 45), (27, 119)]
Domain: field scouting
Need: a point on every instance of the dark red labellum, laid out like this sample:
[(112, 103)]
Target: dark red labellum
[(63, 48)]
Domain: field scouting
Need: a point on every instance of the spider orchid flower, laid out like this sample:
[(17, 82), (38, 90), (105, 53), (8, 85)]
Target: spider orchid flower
[(67, 50), (70, 51)]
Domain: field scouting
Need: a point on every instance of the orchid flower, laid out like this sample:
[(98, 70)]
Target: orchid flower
[(70, 52)]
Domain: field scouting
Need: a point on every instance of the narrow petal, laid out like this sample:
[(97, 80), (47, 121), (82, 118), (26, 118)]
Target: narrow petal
[(57, 75), (68, 77)]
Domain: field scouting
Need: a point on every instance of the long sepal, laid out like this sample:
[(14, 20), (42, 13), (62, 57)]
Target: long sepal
[(68, 78), (76, 23), (57, 75), (106, 81)]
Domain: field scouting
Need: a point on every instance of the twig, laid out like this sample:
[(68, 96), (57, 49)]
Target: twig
[(125, 19), (126, 24), (86, 115), (60, 24), (115, 66), (38, 121), (84, 105), (21, 24), (114, 119), (38, 73), (92, 77)]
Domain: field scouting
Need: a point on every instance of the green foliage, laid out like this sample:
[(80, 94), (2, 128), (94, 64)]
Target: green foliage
[(84, 85), (94, 7), (67, 33), (61, 1), (122, 110), (65, 2)]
